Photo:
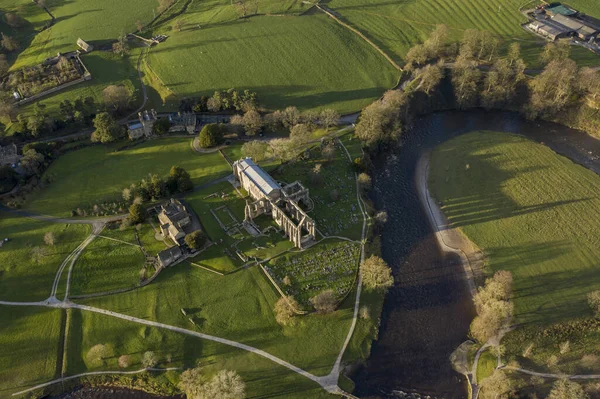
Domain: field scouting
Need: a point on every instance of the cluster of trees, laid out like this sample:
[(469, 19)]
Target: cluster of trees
[(493, 306), (228, 100), (382, 121), (107, 129), (195, 240), (500, 386), (155, 187), (226, 384)]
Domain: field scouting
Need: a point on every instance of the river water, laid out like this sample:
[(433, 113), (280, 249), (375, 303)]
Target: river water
[(427, 313)]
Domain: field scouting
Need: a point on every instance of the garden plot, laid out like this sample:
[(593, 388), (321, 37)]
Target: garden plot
[(329, 265)]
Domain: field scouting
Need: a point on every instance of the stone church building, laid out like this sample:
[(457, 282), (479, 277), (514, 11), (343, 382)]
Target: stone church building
[(282, 203)]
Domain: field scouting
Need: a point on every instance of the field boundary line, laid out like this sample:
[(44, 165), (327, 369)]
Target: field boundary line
[(206, 268), (362, 36)]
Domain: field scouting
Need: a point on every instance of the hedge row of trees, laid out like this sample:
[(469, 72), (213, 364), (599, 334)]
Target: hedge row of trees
[(155, 187)]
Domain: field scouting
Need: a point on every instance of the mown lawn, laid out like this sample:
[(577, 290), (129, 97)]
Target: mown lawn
[(94, 22), (486, 365), (533, 212), (29, 346), (397, 26), (308, 61), (98, 174), (21, 278), (106, 265), (263, 378), (238, 306)]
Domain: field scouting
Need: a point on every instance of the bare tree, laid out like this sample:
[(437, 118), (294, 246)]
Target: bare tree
[(285, 310), (124, 361), (121, 47), (329, 118), (496, 386), (10, 44), (324, 302), (567, 389), (257, 150), (50, 238), (253, 122), (178, 24), (38, 254), (117, 97), (300, 133)]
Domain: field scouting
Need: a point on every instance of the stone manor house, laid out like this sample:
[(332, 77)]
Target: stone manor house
[(282, 203), (9, 155)]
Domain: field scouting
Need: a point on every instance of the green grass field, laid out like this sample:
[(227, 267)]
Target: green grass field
[(307, 61), (533, 212), (263, 378), (94, 22), (98, 174), (397, 26), (237, 306), (486, 365), (21, 279), (29, 347), (106, 265)]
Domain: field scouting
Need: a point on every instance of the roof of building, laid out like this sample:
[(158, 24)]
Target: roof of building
[(135, 126), (261, 179), (550, 29), (574, 24), (561, 9), (84, 45), (170, 253)]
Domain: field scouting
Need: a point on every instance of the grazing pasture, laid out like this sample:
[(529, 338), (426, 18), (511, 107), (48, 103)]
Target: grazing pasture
[(533, 213), (97, 174), (397, 26), (308, 61), (23, 278), (29, 346)]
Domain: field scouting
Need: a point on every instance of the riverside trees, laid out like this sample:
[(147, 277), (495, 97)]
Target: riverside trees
[(492, 306)]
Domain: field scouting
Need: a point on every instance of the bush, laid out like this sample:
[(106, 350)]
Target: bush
[(211, 135), (195, 240)]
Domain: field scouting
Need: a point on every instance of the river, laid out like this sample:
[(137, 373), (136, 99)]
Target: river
[(427, 313)]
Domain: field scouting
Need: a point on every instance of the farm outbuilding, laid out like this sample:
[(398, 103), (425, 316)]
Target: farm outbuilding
[(581, 30), (560, 9), (84, 45), (550, 30)]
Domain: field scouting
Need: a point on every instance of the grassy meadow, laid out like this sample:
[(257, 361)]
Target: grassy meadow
[(306, 61), (98, 174), (21, 278), (263, 378), (30, 342), (238, 306), (397, 26), (107, 265), (533, 212)]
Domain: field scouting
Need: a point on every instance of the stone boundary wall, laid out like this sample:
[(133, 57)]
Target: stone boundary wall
[(85, 78)]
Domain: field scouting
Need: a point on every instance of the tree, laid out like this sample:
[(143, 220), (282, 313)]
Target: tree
[(253, 122), (465, 80), (50, 238), (195, 240), (437, 40), (32, 162), (328, 152), (36, 124), (593, 299), (500, 84), (213, 104), (97, 354), (211, 135), (329, 118), (376, 274), (364, 182), (364, 312), (161, 126), (556, 51), (192, 382), (137, 213), (290, 117), (10, 44), (121, 47), (257, 150), (417, 56), (226, 384), (284, 310), (430, 77), (179, 180), (300, 133), (14, 20), (478, 45), (274, 121), (178, 24), (310, 119), (124, 361), (283, 149), (163, 5), (567, 389), (496, 386), (107, 129), (139, 25), (379, 123), (552, 89), (492, 306), (149, 359), (38, 254), (4, 66), (324, 302), (117, 97), (514, 53)]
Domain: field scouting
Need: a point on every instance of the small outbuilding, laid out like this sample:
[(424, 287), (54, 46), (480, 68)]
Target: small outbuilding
[(85, 46), (169, 256)]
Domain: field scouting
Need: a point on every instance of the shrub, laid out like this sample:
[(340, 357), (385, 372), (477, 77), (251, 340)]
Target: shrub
[(211, 135), (195, 240), (324, 302)]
